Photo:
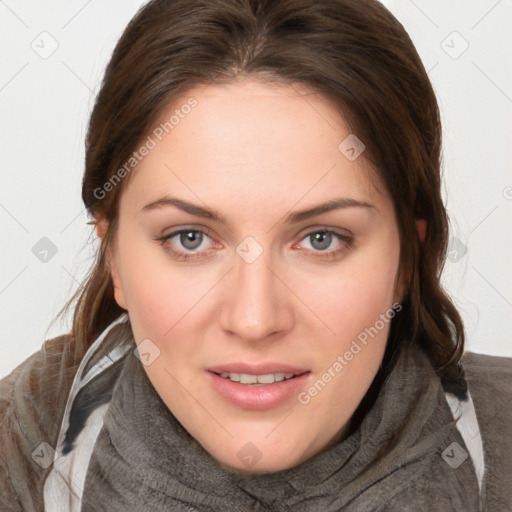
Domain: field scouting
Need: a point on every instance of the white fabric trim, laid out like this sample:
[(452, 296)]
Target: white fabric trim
[(64, 484), (79, 382), (467, 423)]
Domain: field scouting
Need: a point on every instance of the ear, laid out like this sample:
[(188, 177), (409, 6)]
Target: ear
[(112, 263), (421, 227), (101, 226)]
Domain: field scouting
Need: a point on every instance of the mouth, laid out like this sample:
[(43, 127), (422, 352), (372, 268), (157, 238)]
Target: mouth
[(260, 387)]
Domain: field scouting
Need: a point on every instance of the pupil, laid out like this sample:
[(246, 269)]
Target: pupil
[(324, 239), (193, 237)]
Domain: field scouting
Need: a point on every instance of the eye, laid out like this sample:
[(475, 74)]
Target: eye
[(193, 241), (320, 241), (189, 239)]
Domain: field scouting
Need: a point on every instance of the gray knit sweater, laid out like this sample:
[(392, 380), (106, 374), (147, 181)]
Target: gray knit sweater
[(99, 456)]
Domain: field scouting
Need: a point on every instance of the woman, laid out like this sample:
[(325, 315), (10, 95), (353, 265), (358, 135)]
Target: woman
[(264, 327)]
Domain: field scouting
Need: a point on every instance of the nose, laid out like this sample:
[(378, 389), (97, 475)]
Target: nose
[(259, 304)]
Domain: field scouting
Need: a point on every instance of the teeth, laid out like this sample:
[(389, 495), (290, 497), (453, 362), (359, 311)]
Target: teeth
[(246, 378), (235, 377), (269, 378)]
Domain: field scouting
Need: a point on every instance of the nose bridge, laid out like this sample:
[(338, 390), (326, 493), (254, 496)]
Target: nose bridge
[(257, 305)]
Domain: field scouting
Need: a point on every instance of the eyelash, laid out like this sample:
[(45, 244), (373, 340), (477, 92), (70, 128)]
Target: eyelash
[(345, 239)]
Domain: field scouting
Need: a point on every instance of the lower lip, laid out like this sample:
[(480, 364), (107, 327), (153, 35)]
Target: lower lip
[(258, 397)]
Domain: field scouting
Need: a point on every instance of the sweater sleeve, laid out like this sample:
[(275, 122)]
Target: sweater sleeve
[(490, 384), (32, 401)]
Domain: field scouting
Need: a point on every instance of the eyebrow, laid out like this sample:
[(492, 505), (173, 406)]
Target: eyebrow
[(291, 218)]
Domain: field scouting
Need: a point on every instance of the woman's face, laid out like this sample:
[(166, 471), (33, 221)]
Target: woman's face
[(271, 288)]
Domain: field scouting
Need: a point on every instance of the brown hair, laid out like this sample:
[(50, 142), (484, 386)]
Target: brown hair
[(353, 52)]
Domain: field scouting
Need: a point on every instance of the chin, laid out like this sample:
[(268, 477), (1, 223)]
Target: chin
[(259, 457), (259, 468)]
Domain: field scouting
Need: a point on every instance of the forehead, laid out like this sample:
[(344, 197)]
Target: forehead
[(250, 144)]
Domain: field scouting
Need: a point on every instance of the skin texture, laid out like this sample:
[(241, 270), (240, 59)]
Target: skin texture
[(255, 153)]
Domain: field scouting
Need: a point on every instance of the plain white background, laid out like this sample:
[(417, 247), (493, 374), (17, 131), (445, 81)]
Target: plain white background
[(53, 55)]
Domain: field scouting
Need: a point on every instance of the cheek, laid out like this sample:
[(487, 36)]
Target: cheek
[(358, 308), (158, 293), (353, 297)]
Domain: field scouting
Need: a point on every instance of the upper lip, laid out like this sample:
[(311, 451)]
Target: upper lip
[(257, 369)]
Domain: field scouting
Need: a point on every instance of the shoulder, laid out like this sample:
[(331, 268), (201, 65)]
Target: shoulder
[(476, 363), (41, 381), (489, 381), (32, 402), (489, 377), (490, 384)]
